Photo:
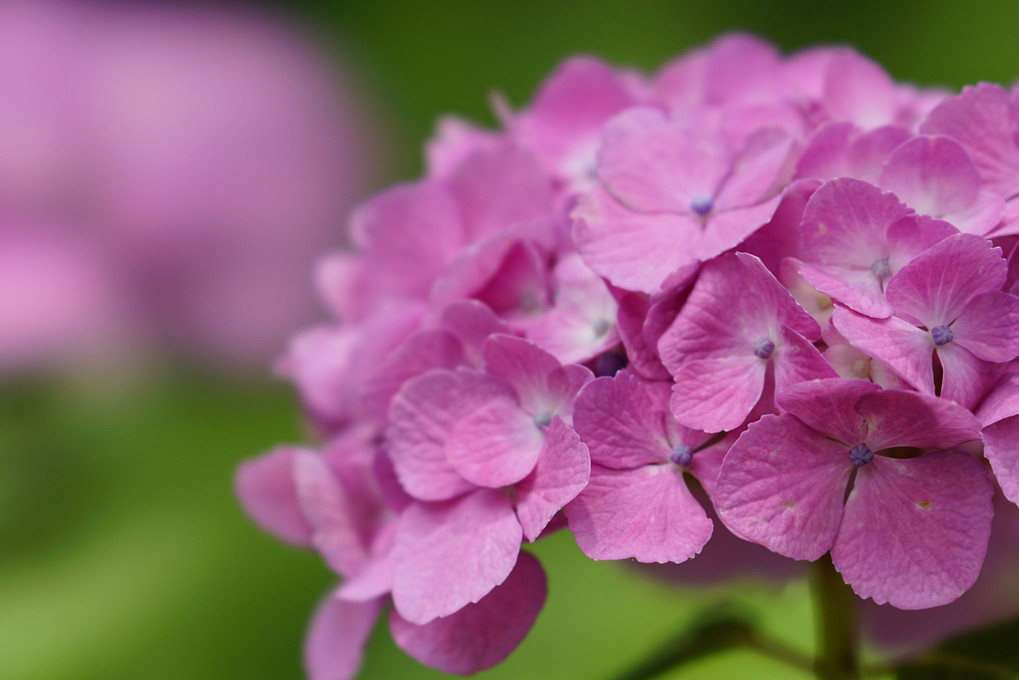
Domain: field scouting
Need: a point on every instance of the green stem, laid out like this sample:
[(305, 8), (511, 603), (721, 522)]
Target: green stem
[(835, 612)]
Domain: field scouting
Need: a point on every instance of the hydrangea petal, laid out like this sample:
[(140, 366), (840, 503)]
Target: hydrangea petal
[(480, 635), (496, 445), (965, 378), (797, 360), (904, 418), (782, 485), (903, 347), (619, 424), (331, 513), (523, 365), (452, 553), (937, 285), (646, 513), (1001, 448), (933, 175), (337, 636), (989, 327), (915, 530), (717, 394), (265, 488), (635, 251), (857, 289), (421, 416), (828, 406), (563, 470)]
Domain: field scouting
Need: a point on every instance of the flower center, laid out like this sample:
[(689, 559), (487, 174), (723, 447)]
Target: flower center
[(702, 205), (942, 335), (609, 364), (543, 419), (763, 348), (681, 455), (860, 455), (881, 269)]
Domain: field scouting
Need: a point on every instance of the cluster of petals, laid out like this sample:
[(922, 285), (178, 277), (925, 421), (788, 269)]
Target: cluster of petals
[(770, 290)]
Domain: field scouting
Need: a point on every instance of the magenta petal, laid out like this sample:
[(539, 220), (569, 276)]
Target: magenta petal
[(643, 356), (265, 488), (937, 285), (563, 469), (450, 554), (797, 360), (1003, 399), (989, 327), (496, 445), (472, 322), (633, 250), (933, 175), (617, 420), (421, 416), (782, 485), (965, 378), (915, 530), (727, 229), (903, 418), (857, 289), (646, 513), (713, 395), (334, 647), (481, 635), (906, 349), (846, 220), (1001, 448), (828, 406)]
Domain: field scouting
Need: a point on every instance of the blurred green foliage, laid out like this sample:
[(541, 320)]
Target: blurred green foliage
[(122, 551)]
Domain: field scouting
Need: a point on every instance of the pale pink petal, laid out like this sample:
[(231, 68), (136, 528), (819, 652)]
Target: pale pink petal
[(903, 418), (913, 234), (452, 553), (647, 514), (453, 142), (481, 635), (421, 416), (617, 420), (472, 322), (989, 327), (782, 485), (933, 175), (906, 349), (982, 120), (982, 216), (496, 445), (634, 251), (915, 531), (717, 394), (564, 384), (265, 489), (938, 284), (868, 153), (497, 188), (563, 470), (332, 514), (652, 163), (1001, 448), (759, 172), (859, 90), (524, 366), (339, 631), (828, 406)]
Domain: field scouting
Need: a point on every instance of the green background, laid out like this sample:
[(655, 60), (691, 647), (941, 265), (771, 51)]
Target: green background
[(122, 551)]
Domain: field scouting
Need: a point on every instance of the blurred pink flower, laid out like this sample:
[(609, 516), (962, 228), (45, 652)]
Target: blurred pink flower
[(199, 159)]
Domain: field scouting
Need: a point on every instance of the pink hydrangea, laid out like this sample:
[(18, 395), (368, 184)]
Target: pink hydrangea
[(768, 289)]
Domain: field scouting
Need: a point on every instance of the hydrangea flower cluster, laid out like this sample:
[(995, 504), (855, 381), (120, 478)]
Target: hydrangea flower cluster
[(781, 281)]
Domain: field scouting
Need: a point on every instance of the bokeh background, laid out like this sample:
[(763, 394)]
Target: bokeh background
[(123, 553)]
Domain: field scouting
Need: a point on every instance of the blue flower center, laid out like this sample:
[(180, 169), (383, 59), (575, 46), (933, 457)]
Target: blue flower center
[(860, 455), (881, 269), (543, 419), (942, 335), (702, 205), (763, 348), (681, 455)]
